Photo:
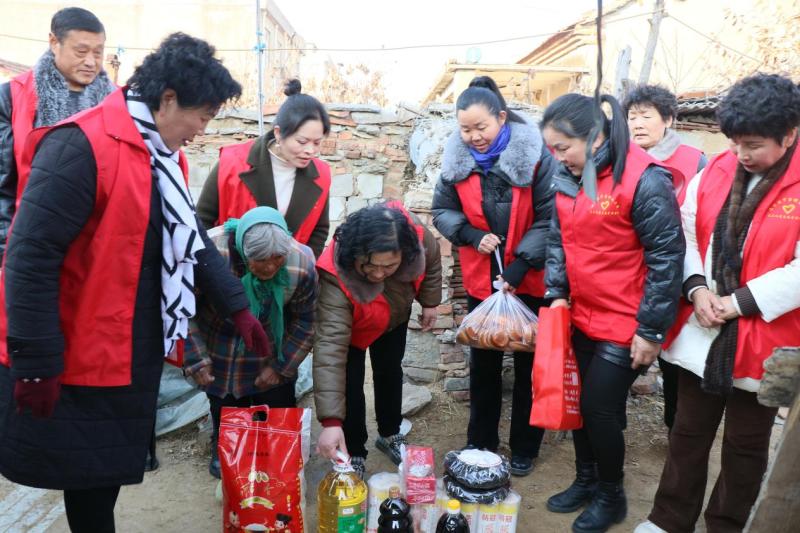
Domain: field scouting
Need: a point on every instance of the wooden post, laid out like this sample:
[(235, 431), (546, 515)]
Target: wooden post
[(652, 40), (621, 77), (777, 509)]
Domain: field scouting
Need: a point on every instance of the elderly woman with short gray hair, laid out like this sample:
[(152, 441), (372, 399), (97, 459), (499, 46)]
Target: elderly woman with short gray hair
[(280, 280)]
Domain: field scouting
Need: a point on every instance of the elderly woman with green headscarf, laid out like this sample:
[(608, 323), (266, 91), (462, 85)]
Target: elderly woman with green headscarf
[(280, 280)]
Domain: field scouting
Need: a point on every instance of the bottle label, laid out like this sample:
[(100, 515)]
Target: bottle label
[(352, 518)]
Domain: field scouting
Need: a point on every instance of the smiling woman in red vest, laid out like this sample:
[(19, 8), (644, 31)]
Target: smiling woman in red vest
[(616, 262), (742, 276), (278, 170), (651, 111), (494, 195), (98, 282), (380, 260)]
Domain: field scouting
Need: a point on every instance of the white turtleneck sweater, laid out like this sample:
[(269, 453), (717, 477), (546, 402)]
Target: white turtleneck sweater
[(283, 174)]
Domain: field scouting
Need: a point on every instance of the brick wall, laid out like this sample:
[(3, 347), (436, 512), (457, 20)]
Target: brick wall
[(377, 154)]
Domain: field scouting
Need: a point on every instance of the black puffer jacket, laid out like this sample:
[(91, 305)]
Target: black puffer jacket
[(8, 166), (98, 436), (657, 222), (525, 162)]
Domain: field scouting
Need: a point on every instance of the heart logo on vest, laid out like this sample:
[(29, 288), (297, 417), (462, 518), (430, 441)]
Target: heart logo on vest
[(605, 204), (785, 208), (788, 208)]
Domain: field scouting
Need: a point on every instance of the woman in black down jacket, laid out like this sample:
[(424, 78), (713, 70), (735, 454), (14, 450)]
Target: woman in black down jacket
[(494, 193), (616, 261)]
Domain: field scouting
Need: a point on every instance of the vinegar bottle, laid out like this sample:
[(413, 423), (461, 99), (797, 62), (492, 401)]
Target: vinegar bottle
[(452, 521), (394, 514)]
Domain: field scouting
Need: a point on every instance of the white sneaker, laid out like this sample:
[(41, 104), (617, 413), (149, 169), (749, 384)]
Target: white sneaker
[(648, 527)]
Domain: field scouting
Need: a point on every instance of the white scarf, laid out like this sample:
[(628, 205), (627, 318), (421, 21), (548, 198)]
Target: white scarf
[(181, 239)]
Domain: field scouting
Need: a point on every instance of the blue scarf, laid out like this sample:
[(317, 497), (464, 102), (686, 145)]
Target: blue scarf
[(486, 160)]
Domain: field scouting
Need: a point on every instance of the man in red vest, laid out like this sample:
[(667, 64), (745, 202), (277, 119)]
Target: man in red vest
[(99, 279), (68, 78), (741, 218)]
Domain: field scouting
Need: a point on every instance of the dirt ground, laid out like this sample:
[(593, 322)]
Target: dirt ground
[(179, 496)]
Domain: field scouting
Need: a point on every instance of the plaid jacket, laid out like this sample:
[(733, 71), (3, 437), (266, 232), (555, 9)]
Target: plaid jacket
[(213, 339)]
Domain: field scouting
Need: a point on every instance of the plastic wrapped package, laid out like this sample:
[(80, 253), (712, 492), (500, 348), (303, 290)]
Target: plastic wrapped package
[(488, 519), (501, 322), (379, 486), (469, 495), (472, 513), (478, 469), (426, 515), (508, 513), (261, 452), (418, 474)]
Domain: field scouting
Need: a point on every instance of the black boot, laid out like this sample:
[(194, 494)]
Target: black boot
[(579, 493), (608, 507), (214, 467)]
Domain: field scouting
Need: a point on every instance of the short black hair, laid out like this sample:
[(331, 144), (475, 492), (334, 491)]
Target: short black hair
[(186, 65), (74, 18), (656, 96), (767, 105), (375, 229), (484, 91), (298, 109)]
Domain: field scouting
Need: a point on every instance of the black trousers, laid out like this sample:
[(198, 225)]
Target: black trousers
[(386, 356), (91, 510), (669, 373), (486, 396), (604, 392), (280, 396)]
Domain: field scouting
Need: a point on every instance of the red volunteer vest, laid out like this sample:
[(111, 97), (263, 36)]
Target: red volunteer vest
[(604, 258), (235, 198), (475, 266), (23, 113), (100, 273), (371, 319), (770, 244), (685, 161)]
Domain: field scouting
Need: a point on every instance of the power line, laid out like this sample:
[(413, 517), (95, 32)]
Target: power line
[(370, 49), (714, 40)]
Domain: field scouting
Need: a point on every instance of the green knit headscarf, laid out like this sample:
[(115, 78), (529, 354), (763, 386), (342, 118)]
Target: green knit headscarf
[(259, 290)]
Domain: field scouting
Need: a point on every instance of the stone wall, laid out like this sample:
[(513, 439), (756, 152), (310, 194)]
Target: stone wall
[(377, 154)]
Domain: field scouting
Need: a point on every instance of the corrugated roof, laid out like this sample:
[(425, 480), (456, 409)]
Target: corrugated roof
[(698, 106)]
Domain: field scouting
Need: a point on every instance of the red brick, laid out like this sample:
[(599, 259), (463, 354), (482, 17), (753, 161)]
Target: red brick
[(328, 147), (345, 135), (353, 154)]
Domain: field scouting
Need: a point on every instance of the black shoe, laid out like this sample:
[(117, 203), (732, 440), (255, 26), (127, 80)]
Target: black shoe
[(520, 465), (359, 465), (214, 468), (151, 462), (391, 446), (608, 507), (579, 493)]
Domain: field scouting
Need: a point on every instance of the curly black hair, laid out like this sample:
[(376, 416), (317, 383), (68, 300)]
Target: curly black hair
[(652, 95), (375, 229), (767, 105), (186, 65)]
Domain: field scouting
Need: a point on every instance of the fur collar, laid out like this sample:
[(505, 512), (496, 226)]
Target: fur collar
[(364, 291), (666, 146), (517, 162), (53, 93)]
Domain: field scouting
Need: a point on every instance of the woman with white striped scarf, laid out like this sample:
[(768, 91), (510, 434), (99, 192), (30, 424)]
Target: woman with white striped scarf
[(100, 277)]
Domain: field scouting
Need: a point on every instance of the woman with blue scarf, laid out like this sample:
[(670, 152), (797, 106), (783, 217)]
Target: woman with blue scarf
[(280, 281), (493, 201)]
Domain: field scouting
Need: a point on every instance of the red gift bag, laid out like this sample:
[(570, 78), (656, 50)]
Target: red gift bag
[(556, 379), (261, 452)]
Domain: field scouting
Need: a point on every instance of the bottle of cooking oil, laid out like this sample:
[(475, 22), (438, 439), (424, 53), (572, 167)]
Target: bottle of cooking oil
[(342, 500)]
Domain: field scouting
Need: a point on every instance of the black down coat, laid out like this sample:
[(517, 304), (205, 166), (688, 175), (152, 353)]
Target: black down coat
[(525, 162), (657, 222), (98, 436)]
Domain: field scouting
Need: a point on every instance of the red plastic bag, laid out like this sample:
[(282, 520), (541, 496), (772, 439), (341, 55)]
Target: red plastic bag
[(556, 379), (261, 452)]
